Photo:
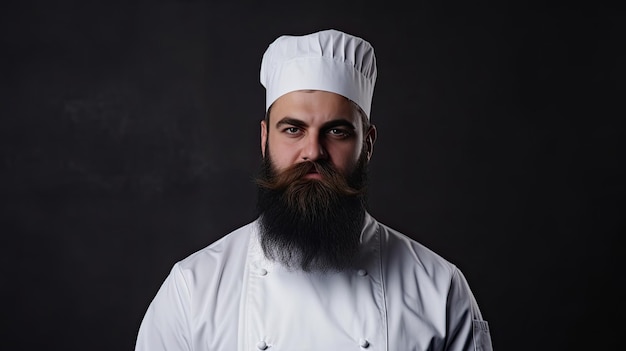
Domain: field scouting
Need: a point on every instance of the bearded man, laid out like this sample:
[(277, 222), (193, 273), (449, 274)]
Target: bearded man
[(315, 270)]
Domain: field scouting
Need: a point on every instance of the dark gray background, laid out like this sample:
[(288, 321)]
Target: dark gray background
[(129, 136)]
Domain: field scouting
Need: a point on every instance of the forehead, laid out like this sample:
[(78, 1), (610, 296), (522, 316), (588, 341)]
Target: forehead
[(314, 106)]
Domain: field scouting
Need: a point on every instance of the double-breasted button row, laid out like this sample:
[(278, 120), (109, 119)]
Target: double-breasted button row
[(361, 272), (262, 345), (363, 343)]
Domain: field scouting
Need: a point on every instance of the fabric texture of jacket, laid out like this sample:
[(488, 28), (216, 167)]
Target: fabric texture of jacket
[(399, 296)]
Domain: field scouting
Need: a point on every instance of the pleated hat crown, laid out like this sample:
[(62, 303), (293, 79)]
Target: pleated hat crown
[(327, 60)]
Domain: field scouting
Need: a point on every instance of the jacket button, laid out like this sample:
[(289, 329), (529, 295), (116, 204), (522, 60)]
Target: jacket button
[(261, 345), (263, 271), (364, 343), (362, 272)]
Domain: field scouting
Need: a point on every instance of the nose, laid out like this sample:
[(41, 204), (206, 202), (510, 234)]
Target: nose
[(313, 149)]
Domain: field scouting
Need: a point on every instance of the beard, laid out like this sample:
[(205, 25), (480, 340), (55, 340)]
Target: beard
[(311, 224)]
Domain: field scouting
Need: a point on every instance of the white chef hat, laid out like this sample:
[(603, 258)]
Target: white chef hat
[(327, 60)]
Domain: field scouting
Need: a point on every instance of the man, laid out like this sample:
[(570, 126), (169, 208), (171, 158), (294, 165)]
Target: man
[(315, 271)]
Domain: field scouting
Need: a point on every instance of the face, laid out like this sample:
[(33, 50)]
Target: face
[(308, 125)]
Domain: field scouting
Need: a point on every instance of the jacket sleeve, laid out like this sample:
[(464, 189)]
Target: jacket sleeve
[(165, 326), (466, 329)]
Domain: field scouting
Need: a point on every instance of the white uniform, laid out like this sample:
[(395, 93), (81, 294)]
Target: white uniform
[(228, 297)]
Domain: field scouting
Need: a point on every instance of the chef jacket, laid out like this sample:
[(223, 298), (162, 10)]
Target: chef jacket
[(229, 297)]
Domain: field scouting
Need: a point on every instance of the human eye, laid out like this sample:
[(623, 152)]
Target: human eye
[(339, 132), (291, 130)]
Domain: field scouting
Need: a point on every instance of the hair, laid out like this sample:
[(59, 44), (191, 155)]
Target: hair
[(313, 225)]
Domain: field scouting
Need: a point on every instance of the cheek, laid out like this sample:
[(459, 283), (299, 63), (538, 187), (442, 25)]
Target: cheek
[(282, 157), (346, 158)]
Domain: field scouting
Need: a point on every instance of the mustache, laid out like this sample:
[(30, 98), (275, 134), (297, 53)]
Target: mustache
[(294, 176)]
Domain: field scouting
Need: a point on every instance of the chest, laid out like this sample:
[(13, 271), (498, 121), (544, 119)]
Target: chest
[(294, 311), (378, 305)]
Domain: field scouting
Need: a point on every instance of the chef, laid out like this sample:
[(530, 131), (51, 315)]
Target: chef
[(315, 271)]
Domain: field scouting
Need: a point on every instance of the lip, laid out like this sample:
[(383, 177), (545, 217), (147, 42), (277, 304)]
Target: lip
[(313, 175)]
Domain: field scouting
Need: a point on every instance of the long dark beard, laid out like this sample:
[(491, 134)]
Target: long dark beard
[(311, 224)]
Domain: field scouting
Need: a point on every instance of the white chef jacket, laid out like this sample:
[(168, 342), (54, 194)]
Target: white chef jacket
[(229, 297)]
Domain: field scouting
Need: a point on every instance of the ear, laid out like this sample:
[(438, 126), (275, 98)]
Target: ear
[(370, 139), (263, 137)]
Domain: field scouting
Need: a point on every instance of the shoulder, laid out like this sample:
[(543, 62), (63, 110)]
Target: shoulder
[(403, 252), (224, 256), (189, 293), (418, 268)]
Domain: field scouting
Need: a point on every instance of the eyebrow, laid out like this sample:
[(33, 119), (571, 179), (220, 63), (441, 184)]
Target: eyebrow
[(341, 122)]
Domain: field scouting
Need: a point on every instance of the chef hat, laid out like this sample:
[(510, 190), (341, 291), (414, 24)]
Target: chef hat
[(327, 60)]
